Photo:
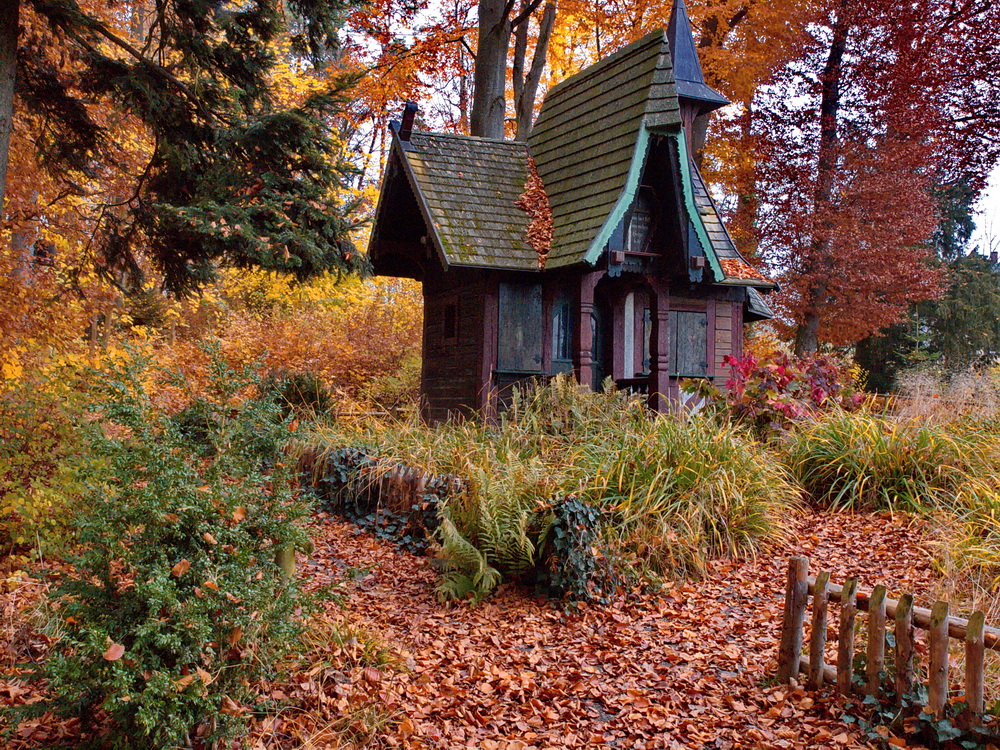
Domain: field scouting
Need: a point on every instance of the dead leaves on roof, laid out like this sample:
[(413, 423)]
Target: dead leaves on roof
[(534, 201), (737, 268)]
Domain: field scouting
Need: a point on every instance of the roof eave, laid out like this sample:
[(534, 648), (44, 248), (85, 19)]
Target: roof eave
[(768, 286), (400, 149)]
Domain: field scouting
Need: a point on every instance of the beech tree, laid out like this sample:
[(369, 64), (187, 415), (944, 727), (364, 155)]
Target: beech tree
[(880, 110), (226, 175), (497, 23)]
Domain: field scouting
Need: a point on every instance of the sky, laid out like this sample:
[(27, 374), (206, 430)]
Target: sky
[(987, 235)]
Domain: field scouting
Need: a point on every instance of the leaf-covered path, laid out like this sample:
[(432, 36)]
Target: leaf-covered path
[(687, 667)]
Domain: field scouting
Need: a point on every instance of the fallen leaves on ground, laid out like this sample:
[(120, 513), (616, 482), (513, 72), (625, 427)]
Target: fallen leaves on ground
[(687, 666), (684, 667)]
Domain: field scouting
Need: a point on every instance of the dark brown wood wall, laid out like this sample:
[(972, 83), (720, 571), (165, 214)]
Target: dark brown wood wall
[(451, 377)]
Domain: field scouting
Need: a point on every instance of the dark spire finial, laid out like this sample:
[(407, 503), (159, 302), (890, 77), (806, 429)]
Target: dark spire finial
[(687, 67)]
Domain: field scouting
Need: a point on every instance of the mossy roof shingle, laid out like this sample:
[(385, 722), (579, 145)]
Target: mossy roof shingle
[(469, 188), (585, 138), (585, 145)]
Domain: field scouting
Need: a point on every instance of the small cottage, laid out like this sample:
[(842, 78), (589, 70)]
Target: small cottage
[(595, 248)]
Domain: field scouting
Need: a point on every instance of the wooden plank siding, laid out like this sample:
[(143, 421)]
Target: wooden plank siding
[(451, 372), (724, 338)]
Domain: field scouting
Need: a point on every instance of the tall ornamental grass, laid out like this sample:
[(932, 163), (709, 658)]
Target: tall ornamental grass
[(682, 489), (865, 461), (671, 490)]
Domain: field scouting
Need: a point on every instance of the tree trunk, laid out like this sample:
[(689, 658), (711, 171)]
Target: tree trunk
[(526, 87), (488, 106), (818, 260), (8, 70), (807, 335)]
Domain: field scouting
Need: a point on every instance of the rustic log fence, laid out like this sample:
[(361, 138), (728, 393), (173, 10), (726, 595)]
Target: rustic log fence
[(905, 617)]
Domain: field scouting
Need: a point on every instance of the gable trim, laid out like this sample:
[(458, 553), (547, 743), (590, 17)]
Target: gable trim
[(694, 216), (625, 199), (407, 168)]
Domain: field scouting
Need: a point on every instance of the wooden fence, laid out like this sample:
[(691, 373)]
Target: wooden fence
[(905, 617)]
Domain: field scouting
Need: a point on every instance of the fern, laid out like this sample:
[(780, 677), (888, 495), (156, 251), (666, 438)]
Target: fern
[(465, 567)]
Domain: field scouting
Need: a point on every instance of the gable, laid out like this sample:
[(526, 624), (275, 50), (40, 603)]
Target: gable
[(589, 140), (470, 187)]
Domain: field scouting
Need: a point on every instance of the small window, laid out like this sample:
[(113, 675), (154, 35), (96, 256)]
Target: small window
[(562, 334), (640, 223), (689, 344), (451, 321)]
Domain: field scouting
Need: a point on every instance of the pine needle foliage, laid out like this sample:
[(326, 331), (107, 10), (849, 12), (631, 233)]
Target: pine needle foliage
[(232, 177)]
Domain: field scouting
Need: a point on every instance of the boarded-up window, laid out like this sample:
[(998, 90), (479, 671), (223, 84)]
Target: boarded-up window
[(519, 338), (689, 344), (562, 333)]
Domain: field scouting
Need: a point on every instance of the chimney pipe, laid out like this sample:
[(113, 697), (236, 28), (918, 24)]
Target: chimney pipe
[(993, 257), (409, 112)]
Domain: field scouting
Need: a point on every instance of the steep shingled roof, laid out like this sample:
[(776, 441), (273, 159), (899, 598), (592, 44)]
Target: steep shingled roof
[(590, 145), (468, 189), (584, 141)]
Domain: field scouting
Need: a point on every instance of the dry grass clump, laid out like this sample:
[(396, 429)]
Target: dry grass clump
[(928, 396), (671, 490)]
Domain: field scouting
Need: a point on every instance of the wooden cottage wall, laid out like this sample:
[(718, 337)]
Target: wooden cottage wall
[(728, 336), (452, 369)]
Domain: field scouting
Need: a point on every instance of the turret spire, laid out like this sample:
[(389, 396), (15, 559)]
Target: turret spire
[(687, 68)]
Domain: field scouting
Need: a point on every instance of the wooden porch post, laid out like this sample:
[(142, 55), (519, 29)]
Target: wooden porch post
[(488, 352), (584, 336), (659, 346)]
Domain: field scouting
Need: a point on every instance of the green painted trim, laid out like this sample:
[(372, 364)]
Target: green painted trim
[(692, 207), (635, 168)]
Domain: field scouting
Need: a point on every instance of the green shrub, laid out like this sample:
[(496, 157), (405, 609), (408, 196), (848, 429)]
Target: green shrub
[(875, 462), (176, 606), (299, 392), (40, 452)]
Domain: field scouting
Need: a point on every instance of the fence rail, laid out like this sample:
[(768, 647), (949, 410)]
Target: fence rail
[(905, 618)]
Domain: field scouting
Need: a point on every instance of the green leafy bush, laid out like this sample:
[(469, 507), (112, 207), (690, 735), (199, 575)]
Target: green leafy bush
[(40, 453), (575, 568), (176, 607), (299, 392)]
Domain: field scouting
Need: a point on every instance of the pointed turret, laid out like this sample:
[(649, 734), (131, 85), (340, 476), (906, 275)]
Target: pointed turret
[(696, 97)]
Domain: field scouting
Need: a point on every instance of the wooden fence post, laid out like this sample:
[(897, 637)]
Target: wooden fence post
[(974, 665), (937, 672), (876, 638), (817, 636), (796, 597), (845, 645), (904, 646)]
